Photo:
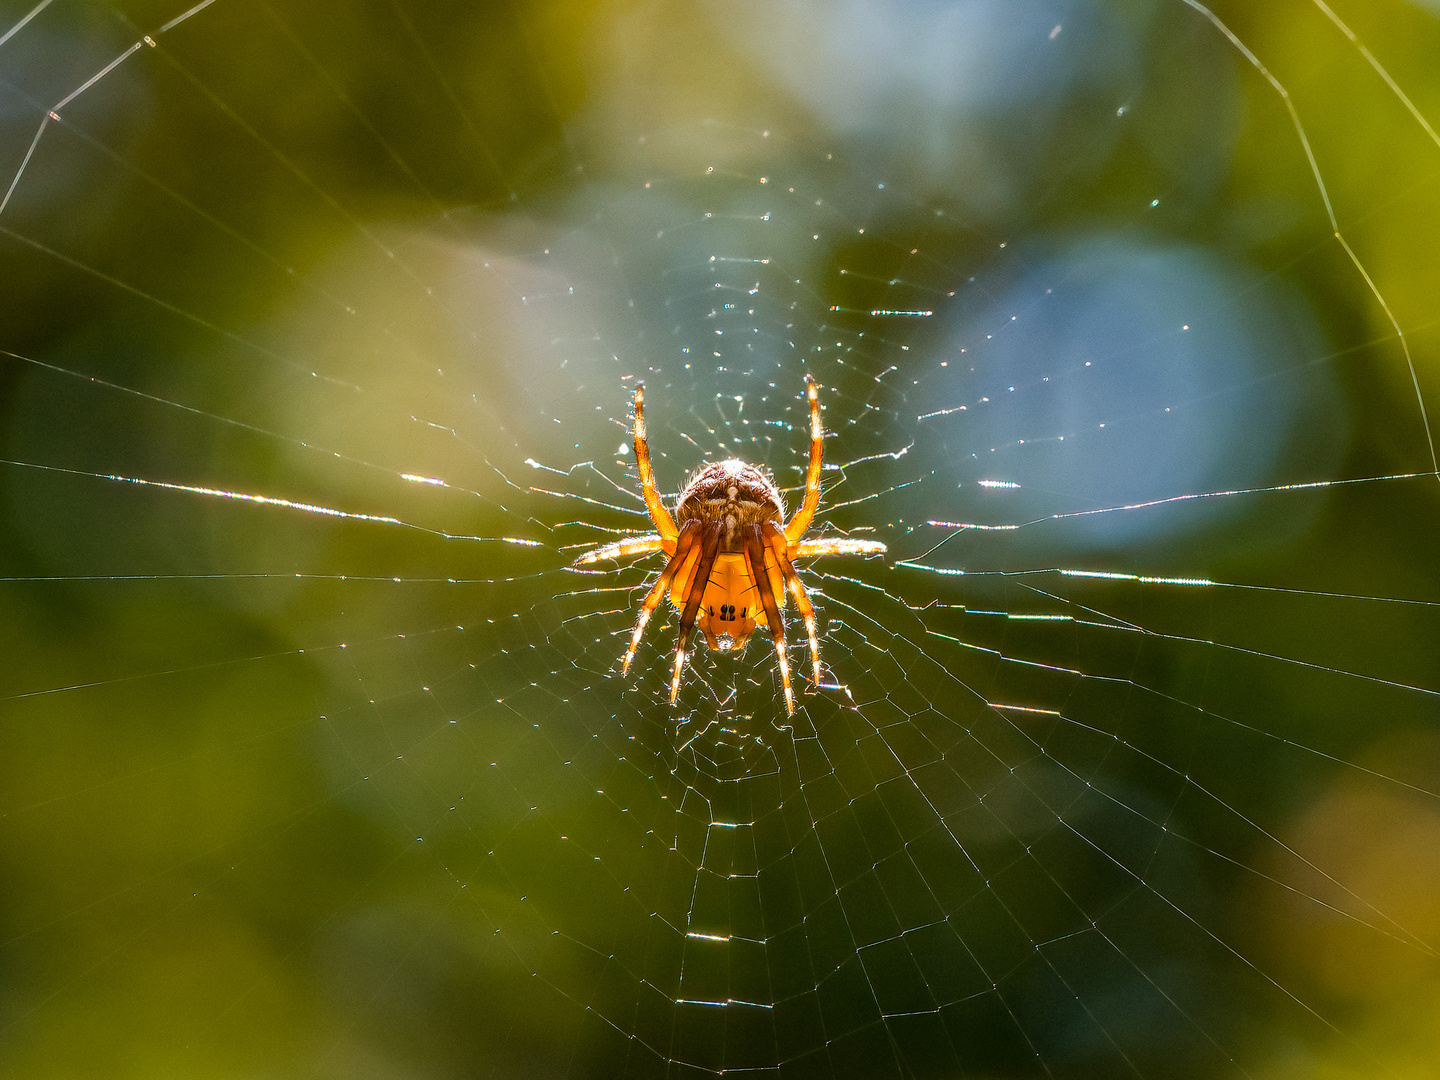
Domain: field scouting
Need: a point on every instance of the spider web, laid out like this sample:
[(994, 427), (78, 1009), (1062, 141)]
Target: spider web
[(322, 333)]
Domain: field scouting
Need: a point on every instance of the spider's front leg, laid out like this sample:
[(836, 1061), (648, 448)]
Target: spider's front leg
[(811, 502), (664, 523), (622, 549), (683, 546), (837, 545)]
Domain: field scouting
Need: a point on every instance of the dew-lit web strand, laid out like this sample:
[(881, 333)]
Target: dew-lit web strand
[(172, 308), (643, 584), (858, 952), (231, 493), (53, 112), (894, 281), (53, 115), (292, 440), (755, 437), (807, 290), (1279, 88), (294, 169), (1399, 933), (165, 305), (1409, 937), (288, 575), (93, 684), (211, 219), (570, 495), (1149, 579), (209, 664), (339, 92), (1141, 347), (1060, 820), (1263, 655), (453, 98), (627, 491), (806, 611), (24, 21), (1112, 625), (440, 211), (181, 312), (1025, 308), (639, 977), (266, 500), (1259, 653), (1115, 623), (96, 144), (1380, 70), (1005, 323), (1300, 131), (959, 527)]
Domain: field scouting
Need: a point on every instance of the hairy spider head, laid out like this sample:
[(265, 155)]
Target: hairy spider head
[(733, 493)]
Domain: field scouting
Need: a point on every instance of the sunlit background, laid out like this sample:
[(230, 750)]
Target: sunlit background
[(318, 332)]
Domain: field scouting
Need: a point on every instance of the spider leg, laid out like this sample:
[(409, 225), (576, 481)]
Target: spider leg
[(837, 545), (621, 549), (709, 548), (775, 541), (766, 586), (806, 514), (683, 546), (664, 523)]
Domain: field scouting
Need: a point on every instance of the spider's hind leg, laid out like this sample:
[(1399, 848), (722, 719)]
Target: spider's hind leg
[(709, 549), (775, 541), (765, 585)]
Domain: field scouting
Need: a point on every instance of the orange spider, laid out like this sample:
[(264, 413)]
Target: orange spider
[(730, 560)]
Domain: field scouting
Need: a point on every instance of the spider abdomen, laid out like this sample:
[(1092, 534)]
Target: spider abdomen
[(730, 608)]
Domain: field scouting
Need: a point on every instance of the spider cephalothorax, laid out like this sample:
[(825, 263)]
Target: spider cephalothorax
[(731, 560), (735, 495)]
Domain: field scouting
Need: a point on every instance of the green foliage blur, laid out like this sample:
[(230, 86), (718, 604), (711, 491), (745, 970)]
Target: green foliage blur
[(191, 886)]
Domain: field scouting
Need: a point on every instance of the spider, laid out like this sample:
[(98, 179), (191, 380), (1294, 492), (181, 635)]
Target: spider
[(730, 559)]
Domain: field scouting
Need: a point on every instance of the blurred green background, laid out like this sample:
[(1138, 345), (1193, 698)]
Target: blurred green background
[(286, 793)]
